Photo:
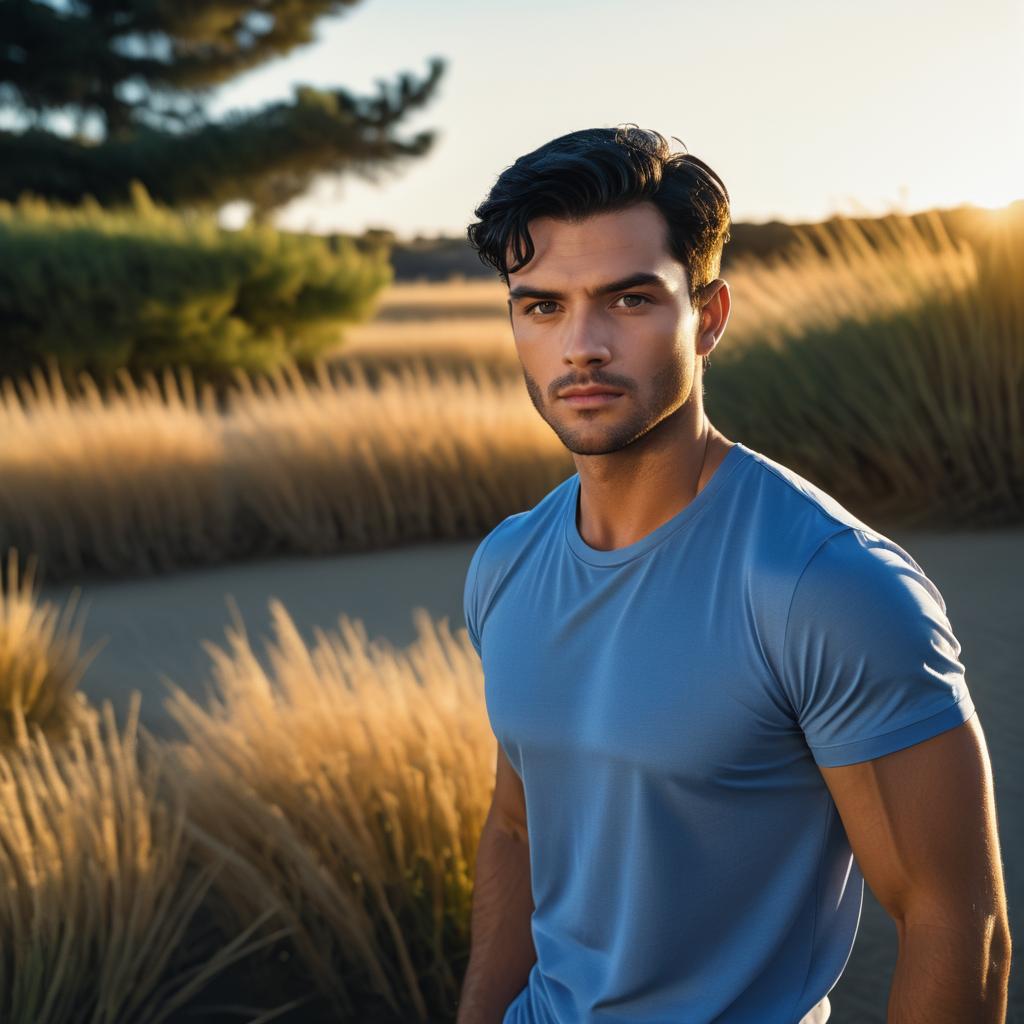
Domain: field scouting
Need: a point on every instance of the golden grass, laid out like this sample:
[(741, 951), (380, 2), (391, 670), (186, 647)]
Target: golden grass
[(130, 479), (443, 441), (352, 779), (99, 882), (147, 479), (333, 467), (334, 800), (870, 271), (911, 415), (40, 659)]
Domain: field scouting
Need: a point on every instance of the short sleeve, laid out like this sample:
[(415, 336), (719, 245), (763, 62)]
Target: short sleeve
[(870, 662), (469, 602), (471, 595)]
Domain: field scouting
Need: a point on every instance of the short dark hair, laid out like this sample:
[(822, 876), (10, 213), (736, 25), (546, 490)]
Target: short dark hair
[(597, 170)]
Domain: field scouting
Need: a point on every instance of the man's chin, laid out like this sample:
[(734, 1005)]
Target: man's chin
[(594, 445)]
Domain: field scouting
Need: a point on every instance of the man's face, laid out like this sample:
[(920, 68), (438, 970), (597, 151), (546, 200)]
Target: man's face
[(638, 338)]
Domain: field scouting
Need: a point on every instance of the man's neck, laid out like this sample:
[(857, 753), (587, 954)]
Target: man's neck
[(621, 501)]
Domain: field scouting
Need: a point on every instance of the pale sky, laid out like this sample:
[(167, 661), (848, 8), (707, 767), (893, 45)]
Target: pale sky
[(804, 108)]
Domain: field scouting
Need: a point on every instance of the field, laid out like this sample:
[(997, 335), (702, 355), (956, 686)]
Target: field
[(304, 837), (889, 373)]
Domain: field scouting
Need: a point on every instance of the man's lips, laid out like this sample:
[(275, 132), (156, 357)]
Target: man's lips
[(588, 389), (593, 398)]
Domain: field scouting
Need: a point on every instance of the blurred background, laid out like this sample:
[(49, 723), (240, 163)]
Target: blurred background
[(259, 401)]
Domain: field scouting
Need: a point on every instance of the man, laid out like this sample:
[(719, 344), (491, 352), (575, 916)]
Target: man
[(721, 700)]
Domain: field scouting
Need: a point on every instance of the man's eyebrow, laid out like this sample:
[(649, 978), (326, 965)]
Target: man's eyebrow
[(525, 291)]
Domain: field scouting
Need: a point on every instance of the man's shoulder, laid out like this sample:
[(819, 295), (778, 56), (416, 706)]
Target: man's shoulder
[(516, 539), (788, 518), (814, 571), (788, 529), (519, 532), (786, 491)]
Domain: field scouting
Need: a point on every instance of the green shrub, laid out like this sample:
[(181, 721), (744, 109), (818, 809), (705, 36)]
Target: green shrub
[(146, 287)]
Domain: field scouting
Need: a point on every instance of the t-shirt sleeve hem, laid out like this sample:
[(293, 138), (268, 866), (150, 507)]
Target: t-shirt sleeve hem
[(833, 755)]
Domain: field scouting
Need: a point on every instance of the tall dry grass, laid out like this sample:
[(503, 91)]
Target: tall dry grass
[(332, 802), (889, 370), (351, 780), (130, 479), (910, 412), (41, 661), (100, 883), (153, 478), (329, 466), (851, 272)]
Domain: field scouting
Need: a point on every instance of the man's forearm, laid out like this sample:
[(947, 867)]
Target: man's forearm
[(501, 945), (950, 975)]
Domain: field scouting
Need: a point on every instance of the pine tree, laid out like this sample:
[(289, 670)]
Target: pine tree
[(135, 76)]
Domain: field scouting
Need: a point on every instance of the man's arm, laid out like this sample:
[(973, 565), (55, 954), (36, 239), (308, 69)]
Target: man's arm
[(922, 824), (502, 950)]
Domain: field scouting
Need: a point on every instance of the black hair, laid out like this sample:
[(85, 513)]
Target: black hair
[(597, 170)]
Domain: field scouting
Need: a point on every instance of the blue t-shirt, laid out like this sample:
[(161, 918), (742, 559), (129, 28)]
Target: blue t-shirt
[(666, 705)]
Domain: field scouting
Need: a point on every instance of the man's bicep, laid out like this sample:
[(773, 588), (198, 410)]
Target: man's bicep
[(922, 824)]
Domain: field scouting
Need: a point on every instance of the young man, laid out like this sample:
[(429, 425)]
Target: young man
[(721, 700)]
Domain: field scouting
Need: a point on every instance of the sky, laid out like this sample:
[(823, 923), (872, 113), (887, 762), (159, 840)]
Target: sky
[(804, 108)]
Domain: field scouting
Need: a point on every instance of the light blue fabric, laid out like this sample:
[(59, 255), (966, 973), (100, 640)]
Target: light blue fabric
[(667, 705)]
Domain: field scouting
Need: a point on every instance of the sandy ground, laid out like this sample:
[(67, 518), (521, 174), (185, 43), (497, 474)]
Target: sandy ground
[(155, 627)]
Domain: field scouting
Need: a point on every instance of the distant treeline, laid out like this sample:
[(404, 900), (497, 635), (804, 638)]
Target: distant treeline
[(438, 259)]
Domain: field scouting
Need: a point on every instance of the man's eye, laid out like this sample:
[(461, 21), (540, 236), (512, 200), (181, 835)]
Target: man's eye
[(643, 297), (543, 302)]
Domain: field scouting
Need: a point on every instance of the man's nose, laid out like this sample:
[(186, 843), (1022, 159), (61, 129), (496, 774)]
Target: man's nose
[(586, 333)]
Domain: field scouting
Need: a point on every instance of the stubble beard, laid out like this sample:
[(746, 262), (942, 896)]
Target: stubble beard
[(667, 390)]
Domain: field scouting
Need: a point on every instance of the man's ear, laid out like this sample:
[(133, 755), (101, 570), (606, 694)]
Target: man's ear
[(714, 315)]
